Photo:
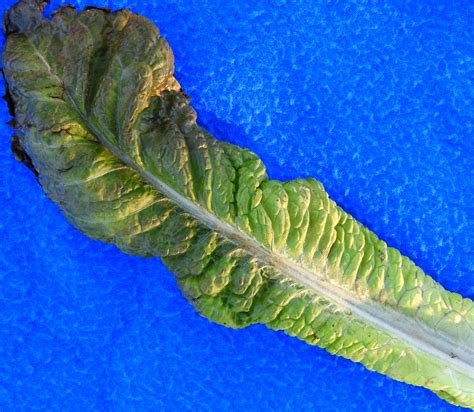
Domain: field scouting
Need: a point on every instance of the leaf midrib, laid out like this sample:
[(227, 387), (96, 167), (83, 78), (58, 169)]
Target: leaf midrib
[(394, 323), (367, 310)]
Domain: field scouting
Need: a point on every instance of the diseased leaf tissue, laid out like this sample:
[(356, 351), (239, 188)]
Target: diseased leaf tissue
[(114, 142)]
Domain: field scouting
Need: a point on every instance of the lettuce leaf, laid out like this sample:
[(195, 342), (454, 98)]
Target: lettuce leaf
[(104, 124)]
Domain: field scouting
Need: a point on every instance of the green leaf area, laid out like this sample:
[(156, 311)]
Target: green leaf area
[(114, 142)]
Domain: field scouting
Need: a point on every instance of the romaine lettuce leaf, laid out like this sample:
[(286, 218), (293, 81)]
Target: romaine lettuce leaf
[(104, 124)]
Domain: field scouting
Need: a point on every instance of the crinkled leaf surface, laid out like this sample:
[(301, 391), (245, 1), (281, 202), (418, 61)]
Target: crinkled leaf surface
[(114, 141)]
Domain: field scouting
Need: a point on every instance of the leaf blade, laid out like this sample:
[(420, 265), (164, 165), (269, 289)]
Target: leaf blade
[(245, 249)]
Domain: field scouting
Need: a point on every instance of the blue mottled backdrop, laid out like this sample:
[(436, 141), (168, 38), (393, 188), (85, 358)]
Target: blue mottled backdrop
[(376, 101)]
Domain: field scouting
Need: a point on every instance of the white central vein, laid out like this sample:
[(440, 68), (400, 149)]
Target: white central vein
[(417, 335), (397, 325)]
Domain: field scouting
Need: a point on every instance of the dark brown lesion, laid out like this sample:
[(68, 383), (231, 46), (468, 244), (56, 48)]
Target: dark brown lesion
[(104, 9), (17, 148), (8, 98), (21, 155)]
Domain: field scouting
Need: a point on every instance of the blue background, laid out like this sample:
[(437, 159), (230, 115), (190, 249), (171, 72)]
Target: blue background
[(374, 100)]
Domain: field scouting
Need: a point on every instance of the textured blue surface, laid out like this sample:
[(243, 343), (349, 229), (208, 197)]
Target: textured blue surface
[(377, 102)]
